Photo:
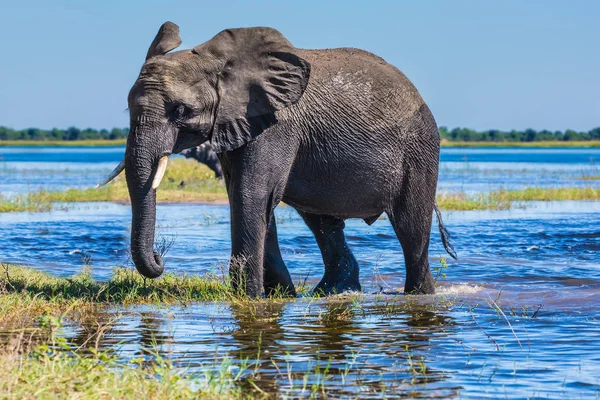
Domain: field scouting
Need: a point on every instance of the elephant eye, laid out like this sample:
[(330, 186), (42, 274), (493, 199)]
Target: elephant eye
[(181, 111)]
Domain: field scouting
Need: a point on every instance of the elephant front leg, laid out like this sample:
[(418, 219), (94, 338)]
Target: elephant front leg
[(277, 279), (248, 231), (254, 248), (341, 268)]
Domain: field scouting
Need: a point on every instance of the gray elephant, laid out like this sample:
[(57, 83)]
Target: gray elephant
[(207, 156), (335, 134)]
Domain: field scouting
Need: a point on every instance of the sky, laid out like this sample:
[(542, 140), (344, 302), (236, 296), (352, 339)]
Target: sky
[(508, 64)]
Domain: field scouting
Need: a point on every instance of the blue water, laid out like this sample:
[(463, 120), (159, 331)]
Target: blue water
[(536, 256)]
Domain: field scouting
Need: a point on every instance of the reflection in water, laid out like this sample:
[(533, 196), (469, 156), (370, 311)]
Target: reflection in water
[(365, 344)]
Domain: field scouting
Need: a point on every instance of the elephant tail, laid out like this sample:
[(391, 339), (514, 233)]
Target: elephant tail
[(444, 233)]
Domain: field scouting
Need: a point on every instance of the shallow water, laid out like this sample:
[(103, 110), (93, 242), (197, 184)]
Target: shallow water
[(540, 265)]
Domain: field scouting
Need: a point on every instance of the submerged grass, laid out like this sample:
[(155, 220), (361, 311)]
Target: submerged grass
[(56, 370)]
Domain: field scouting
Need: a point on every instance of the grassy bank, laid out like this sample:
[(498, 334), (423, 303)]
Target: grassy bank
[(545, 194), (62, 143), (186, 181), (541, 144), (126, 286)]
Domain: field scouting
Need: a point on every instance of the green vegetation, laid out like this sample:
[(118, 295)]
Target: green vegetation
[(35, 363), (63, 143), (186, 181), (464, 202), (514, 136), (67, 374), (502, 199), (116, 136), (23, 203), (69, 134), (540, 144), (545, 194), (126, 286)]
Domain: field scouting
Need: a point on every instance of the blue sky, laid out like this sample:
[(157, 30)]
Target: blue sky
[(480, 64)]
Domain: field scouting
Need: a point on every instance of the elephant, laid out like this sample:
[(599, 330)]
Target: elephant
[(334, 133), (205, 155)]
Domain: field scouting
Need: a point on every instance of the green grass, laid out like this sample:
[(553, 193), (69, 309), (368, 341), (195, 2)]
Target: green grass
[(502, 199), (545, 194), (199, 185), (126, 286), (68, 375), (543, 144), (62, 143), (23, 203), (463, 202)]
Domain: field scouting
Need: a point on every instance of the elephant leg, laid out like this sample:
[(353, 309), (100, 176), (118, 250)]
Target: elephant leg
[(341, 268), (256, 181), (277, 279), (411, 218)]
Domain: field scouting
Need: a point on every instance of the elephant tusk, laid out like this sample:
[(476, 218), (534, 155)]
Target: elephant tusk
[(113, 174), (160, 171)]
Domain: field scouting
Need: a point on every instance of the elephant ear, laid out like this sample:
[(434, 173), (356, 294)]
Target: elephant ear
[(166, 40), (260, 73)]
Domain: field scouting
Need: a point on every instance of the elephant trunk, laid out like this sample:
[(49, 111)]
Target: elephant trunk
[(141, 164)]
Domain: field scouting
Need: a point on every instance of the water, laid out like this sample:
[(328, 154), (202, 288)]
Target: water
[(516, 316)]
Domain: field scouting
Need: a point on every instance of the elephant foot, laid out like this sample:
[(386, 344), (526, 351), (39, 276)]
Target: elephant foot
[(425, 286), (329, 286)]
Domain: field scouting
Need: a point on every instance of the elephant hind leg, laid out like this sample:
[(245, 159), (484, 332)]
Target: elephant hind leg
[(276, 277), (341, 268), (411, 218)]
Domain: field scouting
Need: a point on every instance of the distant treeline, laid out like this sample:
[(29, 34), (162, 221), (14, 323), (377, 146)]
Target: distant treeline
[(454, 135), (528, 135), (62, 134)]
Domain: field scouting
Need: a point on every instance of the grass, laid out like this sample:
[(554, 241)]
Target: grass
[(126, 286), (464, 202), (62, 143), (67, 375), (545, 194), (543, 144), (22, 203), (186, 181)]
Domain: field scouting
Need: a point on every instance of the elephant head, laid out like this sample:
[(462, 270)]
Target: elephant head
[(226, 91)]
